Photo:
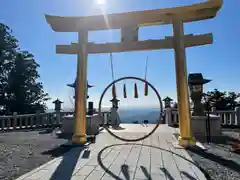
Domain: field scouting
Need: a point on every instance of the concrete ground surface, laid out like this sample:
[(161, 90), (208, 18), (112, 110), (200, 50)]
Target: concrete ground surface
[(154, 158)]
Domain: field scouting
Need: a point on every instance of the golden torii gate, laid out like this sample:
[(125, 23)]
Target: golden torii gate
[(175, 16)]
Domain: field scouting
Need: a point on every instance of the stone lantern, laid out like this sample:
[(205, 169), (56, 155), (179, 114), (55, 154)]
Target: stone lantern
[(73, 85), (58, 109), (195, 82), (167, 102), (57, 105), (115, 102)]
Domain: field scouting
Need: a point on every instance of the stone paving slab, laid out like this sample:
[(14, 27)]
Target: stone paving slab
[(154, 158)]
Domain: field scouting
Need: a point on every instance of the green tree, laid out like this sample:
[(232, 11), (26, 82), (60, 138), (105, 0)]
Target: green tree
[(232, 100), (8, 48), (20, 90), (222, 100), (24, 93)]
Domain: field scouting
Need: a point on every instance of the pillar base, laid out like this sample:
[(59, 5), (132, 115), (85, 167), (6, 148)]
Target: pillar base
[(79, 139), (186, 142)]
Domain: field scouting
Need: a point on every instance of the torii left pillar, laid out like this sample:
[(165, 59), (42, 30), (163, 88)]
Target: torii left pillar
[(79, 136)]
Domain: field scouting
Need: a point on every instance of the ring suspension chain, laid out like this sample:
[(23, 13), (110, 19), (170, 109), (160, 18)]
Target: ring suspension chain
[(146, 85), (114, 94)]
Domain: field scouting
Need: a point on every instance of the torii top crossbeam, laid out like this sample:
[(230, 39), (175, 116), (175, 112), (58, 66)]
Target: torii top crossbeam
[(195, 12)]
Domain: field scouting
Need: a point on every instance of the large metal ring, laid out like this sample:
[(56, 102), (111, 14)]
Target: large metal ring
[(160, 106)]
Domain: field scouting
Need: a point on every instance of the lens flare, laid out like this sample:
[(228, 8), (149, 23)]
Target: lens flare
[(101, 2)]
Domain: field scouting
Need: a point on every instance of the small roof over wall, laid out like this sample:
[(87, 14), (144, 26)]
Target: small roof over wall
[(73, 85), (195, 12), (57, 101), (167, 99), (114, 100), (197, 78)]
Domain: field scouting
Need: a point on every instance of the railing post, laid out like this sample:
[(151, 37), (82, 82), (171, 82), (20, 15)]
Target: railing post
[(44, 120), (224, 118), (237, 111), (38, 119), (233, 119), (32, 121), (14, 120), (58, 117), (8, 123), (213, 110), (20, 122), (228, 118), (2, 124), (168, 116)]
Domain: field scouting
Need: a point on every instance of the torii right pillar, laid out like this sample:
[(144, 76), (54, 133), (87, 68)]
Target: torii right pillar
[(185, 138)]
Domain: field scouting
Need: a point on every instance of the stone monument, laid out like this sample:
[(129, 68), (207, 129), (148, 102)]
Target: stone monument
[(199, 117), (196, 82), (73, 85), (114, 116), (167, 102), (167, 111), (58, 109)]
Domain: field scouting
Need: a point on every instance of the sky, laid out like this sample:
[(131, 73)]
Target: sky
[(218, 62)]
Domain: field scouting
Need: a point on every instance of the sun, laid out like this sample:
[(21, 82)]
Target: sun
[(101, 2)]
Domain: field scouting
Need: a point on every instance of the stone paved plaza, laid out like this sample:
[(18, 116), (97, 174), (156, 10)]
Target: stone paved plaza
[(154, 158)]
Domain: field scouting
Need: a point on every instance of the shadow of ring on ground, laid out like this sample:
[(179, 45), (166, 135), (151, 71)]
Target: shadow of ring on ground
[(167, 174)]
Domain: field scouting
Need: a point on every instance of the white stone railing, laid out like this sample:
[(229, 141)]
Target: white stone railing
[(54, 119), (27, 121), (105, 115), (228, 117), (38, 120)]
